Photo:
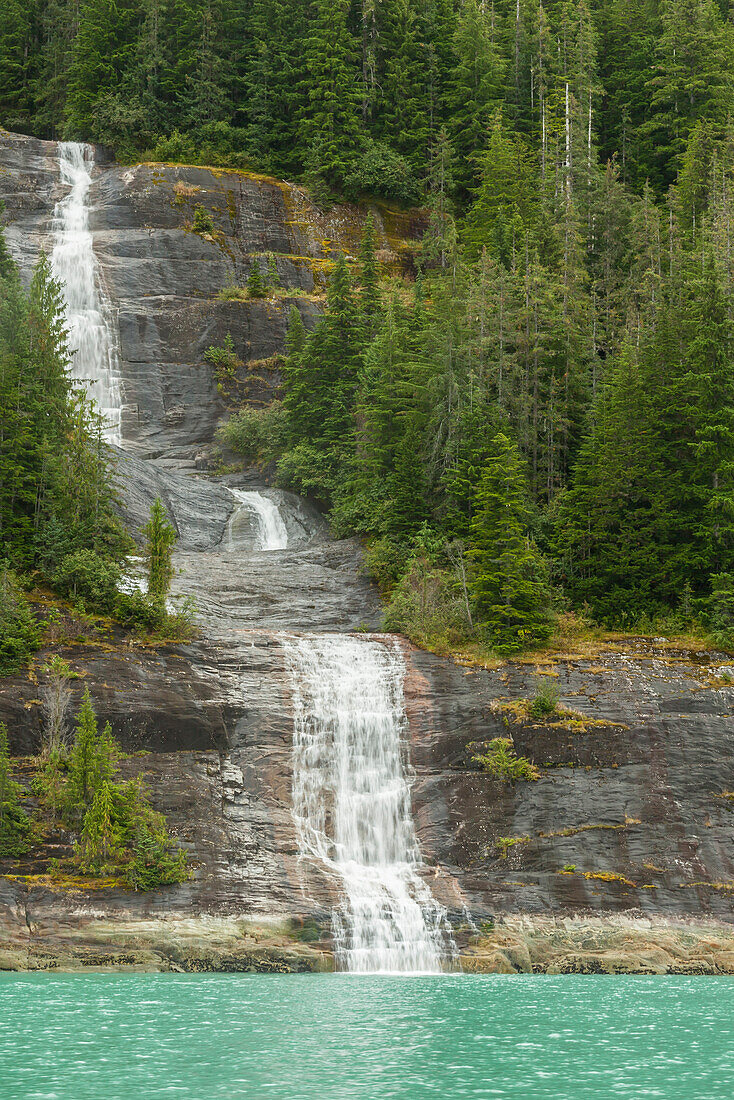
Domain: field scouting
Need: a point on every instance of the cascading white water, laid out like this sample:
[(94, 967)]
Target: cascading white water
[(272, 531), (73, 263), (352, 806)]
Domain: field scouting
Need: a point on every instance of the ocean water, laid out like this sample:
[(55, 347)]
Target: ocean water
[(364, 1037)]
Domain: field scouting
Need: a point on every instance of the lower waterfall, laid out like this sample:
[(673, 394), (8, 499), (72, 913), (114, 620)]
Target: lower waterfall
[(73, 263), (272, 533), (352, 805)]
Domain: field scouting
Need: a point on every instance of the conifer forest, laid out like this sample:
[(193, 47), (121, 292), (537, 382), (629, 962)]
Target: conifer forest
[(538, 420)]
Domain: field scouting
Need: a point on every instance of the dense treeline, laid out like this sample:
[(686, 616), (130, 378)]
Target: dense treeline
[(357, 93), (531, 429)]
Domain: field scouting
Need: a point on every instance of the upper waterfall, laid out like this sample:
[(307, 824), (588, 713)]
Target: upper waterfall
[(272, 533), (352, 803), (91, 340)]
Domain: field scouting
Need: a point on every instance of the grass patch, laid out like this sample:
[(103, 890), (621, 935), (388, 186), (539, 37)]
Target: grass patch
[(523, 711), (609, 876)]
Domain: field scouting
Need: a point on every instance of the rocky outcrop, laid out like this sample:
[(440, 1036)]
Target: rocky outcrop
[(163, 276), (626, 835), (631, 811)]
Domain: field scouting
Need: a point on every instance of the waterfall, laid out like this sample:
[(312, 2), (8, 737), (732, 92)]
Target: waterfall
[(73, 263), (352, 805), (272, 531)]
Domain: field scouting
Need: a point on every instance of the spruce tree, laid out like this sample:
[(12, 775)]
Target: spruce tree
[(369, 295), (103, 54), (256, 286), (710, 363), (505, 207), (160, 537), (100, 843), (333, 117), (507, 583), (83, 762)]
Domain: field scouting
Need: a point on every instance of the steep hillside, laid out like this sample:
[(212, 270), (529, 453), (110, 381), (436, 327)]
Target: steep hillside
[(617, 857)]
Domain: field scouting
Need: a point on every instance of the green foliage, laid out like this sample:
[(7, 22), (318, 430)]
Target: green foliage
[(225, 360), (259, 435), (499, 759), (15, 827), (89, 578), (507, 577), (257, 286), (139, 611), (545, 700), (120, 835), (20, 633), (721, 609), (160, 537), (203, 221), (380, 170), (426, 602), (57, 495)]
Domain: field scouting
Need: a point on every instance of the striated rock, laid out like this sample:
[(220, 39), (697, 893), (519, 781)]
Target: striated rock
[(162, 278)]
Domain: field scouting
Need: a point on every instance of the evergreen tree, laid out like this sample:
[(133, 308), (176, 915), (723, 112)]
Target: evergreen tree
[(333, 119), (160, 537), (505, 209), (476, 84), (103, 55), (511, 598), (692, 78), (369, 295), (256, 286), (91, 762), (321, 379), (99, 846), (14, 823)]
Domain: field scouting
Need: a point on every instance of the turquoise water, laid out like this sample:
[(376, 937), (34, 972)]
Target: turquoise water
[(293, 1037)]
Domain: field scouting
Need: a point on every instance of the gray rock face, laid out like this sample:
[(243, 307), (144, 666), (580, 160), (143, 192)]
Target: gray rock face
[(162, 278)]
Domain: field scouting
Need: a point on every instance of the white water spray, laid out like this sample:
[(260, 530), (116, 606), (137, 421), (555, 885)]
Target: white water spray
[(352, 806), (272, 531), (94, 357)]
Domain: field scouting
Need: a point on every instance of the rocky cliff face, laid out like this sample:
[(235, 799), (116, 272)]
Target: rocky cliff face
[(162, 277), (618, 857)]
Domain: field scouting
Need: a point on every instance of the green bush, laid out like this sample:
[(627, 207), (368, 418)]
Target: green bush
[(307, 471), (257, 286), (216, 143), (545, 700), (383, 172), (86, 576), (15, 826), (138, 610), (119, 832), (721, 609), (259, 435), (386, 560), (500, 760), (203, 221), (20, 634), (224, 359)]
